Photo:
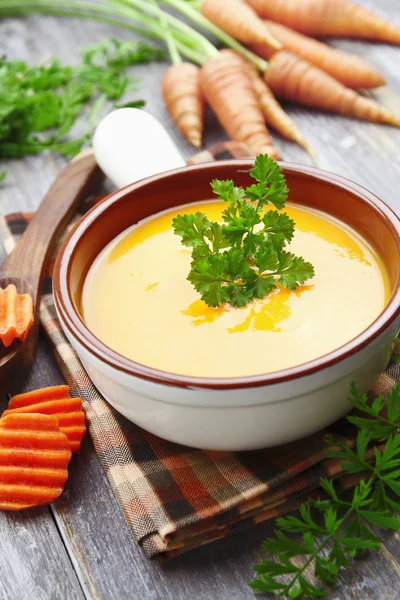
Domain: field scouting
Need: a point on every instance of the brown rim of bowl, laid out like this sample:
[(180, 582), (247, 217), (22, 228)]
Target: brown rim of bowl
[(76, 327)]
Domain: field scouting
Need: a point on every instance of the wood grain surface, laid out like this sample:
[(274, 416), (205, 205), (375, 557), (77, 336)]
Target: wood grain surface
[(81, 547)]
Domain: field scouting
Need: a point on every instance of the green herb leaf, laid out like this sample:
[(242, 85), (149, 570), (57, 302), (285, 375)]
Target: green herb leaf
[(192, 229), (279, 227), (271, 186), (293, 270)]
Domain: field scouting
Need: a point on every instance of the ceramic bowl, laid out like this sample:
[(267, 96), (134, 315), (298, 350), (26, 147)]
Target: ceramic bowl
[(241, 413)]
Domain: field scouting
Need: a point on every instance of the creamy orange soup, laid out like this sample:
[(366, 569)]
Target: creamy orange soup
[(136, 299)]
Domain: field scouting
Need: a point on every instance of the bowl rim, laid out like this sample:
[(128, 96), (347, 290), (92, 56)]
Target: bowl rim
[(73, 322)]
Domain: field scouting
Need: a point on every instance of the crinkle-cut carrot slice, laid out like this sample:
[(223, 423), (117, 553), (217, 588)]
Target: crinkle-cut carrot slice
[(16, 315), (10, 474), (50, 407), (54, 401), (40, 395), (34, 457), (75, 446), (71, 419)]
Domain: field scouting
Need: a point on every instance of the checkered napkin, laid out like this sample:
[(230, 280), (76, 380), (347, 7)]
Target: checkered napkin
[(176, 498)]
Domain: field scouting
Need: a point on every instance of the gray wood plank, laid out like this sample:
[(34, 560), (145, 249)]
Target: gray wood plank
[(34, 563), (107, 562)]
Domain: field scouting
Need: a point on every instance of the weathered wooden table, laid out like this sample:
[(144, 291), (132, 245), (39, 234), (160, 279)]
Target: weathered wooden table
[(81, 547)]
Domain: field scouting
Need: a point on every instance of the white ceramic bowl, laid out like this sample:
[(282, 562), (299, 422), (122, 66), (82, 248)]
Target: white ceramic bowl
[(237, 413)]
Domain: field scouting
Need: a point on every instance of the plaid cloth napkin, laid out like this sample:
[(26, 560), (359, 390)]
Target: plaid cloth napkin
[(177, 498)]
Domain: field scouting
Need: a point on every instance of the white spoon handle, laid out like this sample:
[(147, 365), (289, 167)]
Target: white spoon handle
[(130, 144)]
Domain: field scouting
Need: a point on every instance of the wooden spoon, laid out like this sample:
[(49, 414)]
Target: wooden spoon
[(26, 266)]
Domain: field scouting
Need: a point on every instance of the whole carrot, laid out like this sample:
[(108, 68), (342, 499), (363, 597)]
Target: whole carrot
[(293, 78), (328, 18), (184, 100), (349, 69), (273, 112), (239, 20), (227, 86), (276, 117)]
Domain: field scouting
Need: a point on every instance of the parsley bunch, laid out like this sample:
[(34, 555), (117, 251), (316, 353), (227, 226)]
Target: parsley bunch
[(244, 258), (328, 533), (39, 105)]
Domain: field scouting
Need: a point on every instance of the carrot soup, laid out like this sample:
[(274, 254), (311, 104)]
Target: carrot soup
[(136, 300)]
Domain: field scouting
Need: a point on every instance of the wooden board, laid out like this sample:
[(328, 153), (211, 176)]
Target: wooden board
[(82, 546)]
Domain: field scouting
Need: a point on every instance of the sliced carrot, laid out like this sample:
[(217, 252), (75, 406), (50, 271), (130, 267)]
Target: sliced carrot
[(16, 315), (48, 393), (74, 446), (34, 457), (329, 18), (350, 69), (184, 100), (239, 20), (293, 78), (30, 439), (54, 401), (49, 407), (227, 86), (40, 476), (71, 419)]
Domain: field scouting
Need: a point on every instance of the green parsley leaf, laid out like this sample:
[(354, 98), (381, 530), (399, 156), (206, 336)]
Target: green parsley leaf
[(279, 227), (271, 185), (192, 229), (293, 270), (216, 236), (227, 191), (262, 286), (243, 258), (266, 258), (207, 276)]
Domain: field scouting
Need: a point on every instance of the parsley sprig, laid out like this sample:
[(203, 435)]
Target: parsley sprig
[(244, 258), (328, 533)]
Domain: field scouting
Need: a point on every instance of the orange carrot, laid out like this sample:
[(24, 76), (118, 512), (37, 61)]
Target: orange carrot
[(293, 78), (349, 69), (34, 457), (54, 401), (227, 86), (16, 315), (276, 117), (49, 393), (329, 18), (183, 98), (239, 20), (273, 112)]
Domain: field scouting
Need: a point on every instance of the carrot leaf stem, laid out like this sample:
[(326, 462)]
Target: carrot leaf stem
[(145, 7), (194, 15), (108, 14), (169, 38)]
